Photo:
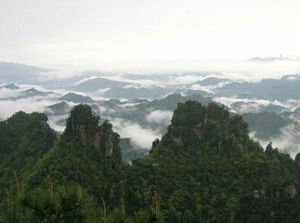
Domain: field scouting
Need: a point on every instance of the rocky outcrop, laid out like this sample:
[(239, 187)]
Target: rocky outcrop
[(289, 191), (177, 141), (194, 125), (89, 138), (84, 125)]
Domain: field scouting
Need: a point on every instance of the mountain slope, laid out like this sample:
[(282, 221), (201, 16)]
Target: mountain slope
[(137, 93), (24, 139), (95, 84), (207, 169), (19, 73), (269, 89), (60, 108), (85, 153), (76, 98)]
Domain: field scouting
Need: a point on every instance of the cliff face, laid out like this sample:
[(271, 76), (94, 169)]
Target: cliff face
[(87, 138), (86, 154), (84, 125)]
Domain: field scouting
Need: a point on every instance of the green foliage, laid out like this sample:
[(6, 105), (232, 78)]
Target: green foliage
[(204, 169), (52, 204), (81, 115), (24, 139)]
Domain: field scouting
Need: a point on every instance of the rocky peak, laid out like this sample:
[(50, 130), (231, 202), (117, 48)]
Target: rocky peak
[(287, 191), (194, 124), (291, 191), (85, 125)]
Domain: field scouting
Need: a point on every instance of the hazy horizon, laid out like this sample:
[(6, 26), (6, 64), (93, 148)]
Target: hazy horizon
[(145, 37)]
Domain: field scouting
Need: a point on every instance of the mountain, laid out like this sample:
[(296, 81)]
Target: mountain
[(211, 81), (162, 77), (20, 73), (252, 106), (270, 89), (265, 124), (60, 108), (205, 168), (32, 92), (24, 139), (28, 93), (190, 92), (170, 102), (162, 108), (10, 86), (86, 153), (96, 84), (76, 98), (85, 137), (138, 93)]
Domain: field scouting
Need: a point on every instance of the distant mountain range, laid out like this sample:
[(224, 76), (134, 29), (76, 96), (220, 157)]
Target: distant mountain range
[(20, 73), (270, 89), (96, 84), (265, 120), (146, 102)]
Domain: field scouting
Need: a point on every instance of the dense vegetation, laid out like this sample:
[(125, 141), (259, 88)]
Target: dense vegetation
[(204, 169), (24, 138)]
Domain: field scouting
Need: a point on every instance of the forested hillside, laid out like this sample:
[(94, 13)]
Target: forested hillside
[(204, 169)]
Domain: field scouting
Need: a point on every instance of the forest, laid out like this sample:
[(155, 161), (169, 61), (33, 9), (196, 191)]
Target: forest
[(205, 168)]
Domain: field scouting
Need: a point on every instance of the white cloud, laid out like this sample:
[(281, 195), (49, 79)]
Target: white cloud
[(288, 141), (184, 79), (201, 88), (9, 104), (10, 107), (230, 100), (142, 137), (52, 121), (189, 35), (85, 79), (8, 93), (129, 105), (159, 116)]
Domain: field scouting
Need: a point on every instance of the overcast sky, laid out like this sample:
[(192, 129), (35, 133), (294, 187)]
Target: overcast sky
[(152, 35)]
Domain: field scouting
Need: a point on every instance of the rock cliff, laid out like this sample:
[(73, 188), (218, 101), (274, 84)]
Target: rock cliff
[(84, 125)]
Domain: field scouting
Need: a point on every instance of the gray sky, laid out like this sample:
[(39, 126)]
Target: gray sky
[(151, 36)]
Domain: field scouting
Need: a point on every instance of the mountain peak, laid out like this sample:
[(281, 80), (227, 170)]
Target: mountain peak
[(84, 125), (194, 125), (95, 84), (76, 98), (10, 86), (81, 115)]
